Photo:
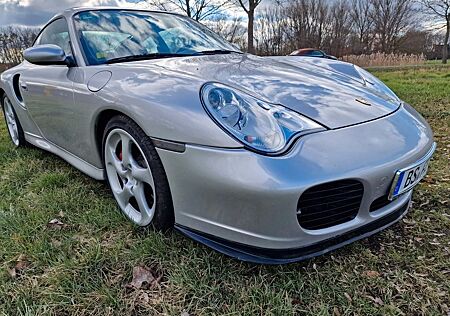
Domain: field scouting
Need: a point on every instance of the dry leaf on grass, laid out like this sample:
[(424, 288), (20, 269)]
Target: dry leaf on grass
[(12, 272), (56, 243), (348, 297), (409, 222), (143, 278), (56, 224), (21, 264), (336, 311), (376, 300), (143, 298), (371, 274)]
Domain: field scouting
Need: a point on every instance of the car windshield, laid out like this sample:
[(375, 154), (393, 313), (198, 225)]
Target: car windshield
[(108, 36)]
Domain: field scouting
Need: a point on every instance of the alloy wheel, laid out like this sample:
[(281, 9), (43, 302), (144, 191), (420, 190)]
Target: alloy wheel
[(11, 122), (130, 177)]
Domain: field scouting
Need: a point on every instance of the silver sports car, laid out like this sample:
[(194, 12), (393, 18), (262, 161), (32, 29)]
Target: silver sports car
[(267, 159)]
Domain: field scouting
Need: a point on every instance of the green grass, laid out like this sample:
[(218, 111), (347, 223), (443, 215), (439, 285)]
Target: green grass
[(430, 66), (83, 268), (434, 62)]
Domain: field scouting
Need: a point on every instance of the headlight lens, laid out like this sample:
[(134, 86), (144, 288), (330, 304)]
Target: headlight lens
[(257, 124)]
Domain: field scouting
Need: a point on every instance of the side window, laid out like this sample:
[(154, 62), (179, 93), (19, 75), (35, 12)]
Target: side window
[(316, 53), (56, 33)]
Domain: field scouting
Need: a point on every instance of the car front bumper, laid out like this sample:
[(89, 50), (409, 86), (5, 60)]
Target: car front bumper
[(245, 204), (283, 256)]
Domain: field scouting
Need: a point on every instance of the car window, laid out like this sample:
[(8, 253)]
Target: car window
[(104, 42), (56, 33), (111, 34), (315, 53), (176, 38)]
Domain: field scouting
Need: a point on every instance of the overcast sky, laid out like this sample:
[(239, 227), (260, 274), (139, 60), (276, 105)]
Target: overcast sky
[(38, 12)]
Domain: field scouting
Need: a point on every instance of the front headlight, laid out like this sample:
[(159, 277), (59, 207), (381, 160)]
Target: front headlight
[(259, 125)]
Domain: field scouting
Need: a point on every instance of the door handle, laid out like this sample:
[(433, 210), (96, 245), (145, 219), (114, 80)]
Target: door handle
[(24, 86)]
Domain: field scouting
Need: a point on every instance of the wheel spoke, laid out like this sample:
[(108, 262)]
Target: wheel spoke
[(9, 113), (131, 212), (14, 127), (9, 117), (124, 195), (142, 174), (113, 160), (126, 149), (144, 208)]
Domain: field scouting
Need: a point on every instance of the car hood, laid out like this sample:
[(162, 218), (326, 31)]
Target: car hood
[(333, 93)]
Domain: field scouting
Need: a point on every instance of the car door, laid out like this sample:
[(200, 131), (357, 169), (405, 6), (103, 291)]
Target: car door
[(48, 90)]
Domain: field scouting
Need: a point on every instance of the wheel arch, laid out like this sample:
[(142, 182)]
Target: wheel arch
[(102, 119), (2, 93), (100, 125)]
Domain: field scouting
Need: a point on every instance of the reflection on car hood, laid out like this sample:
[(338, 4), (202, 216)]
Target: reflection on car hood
[(331, 92)]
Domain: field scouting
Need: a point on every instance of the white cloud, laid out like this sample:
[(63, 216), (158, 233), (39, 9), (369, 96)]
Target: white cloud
[(37, 12)]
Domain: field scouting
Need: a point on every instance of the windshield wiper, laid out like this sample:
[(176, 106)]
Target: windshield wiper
[(217, 52), (143, 57), (168, 55)]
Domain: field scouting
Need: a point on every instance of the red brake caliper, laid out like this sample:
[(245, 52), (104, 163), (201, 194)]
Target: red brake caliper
[(120, 153)]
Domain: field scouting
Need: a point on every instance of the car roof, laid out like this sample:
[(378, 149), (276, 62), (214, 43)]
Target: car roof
[(307, 50), (304, 50)]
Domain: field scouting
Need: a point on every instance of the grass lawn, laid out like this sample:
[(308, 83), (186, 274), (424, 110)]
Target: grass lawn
[(435, 62), (82, 263)]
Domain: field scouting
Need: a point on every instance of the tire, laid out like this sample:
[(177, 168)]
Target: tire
[(13, 125), (136, 176)]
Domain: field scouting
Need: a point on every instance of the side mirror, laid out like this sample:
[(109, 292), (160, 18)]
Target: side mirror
[(47, 55)]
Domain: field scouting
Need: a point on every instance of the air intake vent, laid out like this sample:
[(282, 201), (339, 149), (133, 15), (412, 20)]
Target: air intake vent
[(379, 203), (16, 80), (329, 204)]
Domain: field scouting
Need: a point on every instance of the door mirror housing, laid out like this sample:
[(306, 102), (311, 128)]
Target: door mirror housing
[(48, 55)]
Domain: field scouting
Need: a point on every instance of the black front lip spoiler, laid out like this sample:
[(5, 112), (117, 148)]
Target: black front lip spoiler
[(284, 256)]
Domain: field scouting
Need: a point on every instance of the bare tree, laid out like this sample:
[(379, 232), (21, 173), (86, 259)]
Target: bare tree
[(231, 29), (339, 27), (391, 18), (271, 31), (441, 10), (308, 23), (360, 13), (13, 40), (196, 9), (249, 6), (416, 42)]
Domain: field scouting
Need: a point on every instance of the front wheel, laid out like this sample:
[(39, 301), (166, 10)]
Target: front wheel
[(136, 175), (12, 122)]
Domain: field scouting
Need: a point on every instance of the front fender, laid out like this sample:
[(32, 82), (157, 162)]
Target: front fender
[(165, 105)]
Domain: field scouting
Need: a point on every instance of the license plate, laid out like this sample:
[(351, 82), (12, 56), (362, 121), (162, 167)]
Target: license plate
[(407, 178)]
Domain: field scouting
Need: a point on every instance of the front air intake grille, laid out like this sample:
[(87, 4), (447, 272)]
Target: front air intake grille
[(379, 203), (329, 204)]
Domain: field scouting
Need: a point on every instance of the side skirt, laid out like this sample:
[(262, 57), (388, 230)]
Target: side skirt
[(75, 161)]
